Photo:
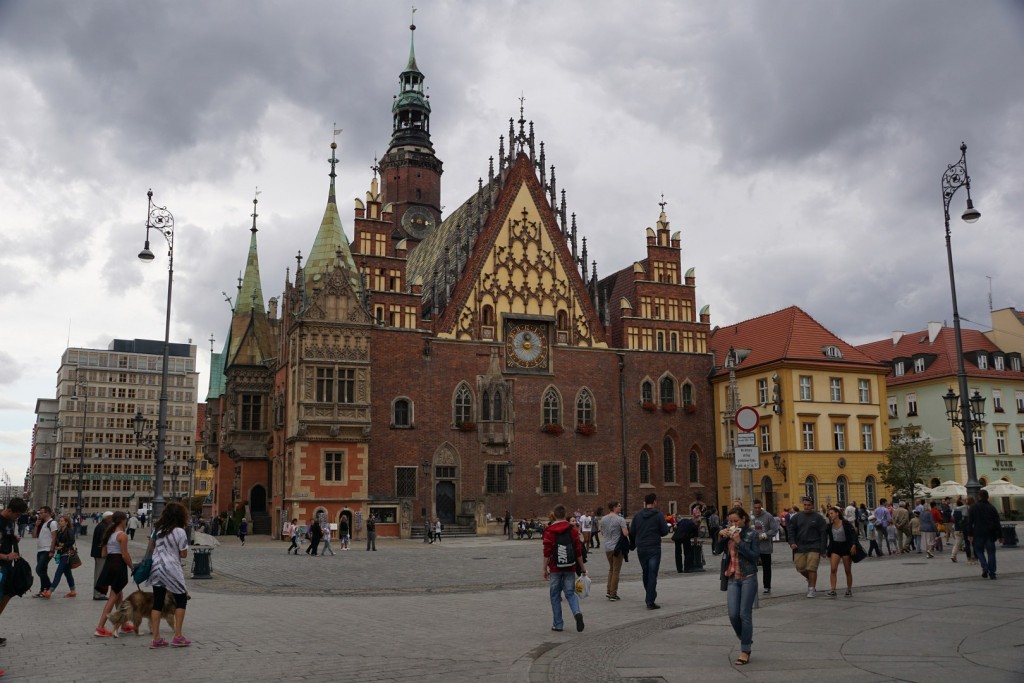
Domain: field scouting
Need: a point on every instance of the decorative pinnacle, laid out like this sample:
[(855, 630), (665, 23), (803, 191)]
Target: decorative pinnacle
[(662, 203), (376, 167), (254, 214)]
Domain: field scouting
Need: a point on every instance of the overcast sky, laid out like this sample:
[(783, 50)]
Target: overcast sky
[(799, 145)]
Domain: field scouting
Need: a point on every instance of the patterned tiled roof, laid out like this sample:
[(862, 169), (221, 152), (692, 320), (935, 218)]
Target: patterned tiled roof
[(453, 234), (787, 335), (217, 381), (940, 355)]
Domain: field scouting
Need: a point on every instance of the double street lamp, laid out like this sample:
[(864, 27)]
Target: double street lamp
[(161, 220), (508, 492), (965, 417)]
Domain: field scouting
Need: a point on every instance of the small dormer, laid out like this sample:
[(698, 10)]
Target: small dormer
[(832, 351)]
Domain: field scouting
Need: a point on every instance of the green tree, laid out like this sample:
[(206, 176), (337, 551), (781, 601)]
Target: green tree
[(908, 459)]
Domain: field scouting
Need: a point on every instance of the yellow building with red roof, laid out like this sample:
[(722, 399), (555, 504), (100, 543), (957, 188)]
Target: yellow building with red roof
[(822, 429)]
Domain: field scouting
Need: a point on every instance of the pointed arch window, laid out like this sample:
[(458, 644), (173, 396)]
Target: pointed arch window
[(585, 408), (463, 405), (694, 467), (687, 394), (645, 467), (552, 408), (485, 405), (667, 390), (647, 392), (497, 409), (669, 447)]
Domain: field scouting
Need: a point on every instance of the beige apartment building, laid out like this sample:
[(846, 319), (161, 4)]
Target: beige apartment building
[(99, 392)]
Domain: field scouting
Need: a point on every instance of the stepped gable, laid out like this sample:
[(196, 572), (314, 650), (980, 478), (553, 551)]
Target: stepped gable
[(942, 352), (521, 175), (786, 335)]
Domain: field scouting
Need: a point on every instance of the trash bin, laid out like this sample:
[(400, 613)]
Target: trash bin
[(202, 561), (1010, 535)]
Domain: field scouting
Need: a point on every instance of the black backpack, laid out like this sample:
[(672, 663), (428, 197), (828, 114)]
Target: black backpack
[(18, 579), (565, 552)]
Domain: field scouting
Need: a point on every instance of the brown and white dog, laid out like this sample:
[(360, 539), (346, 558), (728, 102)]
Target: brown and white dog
[(136, 608)]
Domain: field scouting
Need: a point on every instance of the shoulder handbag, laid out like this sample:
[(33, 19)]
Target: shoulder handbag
[(74, 561), (144, 568), (858, 553)]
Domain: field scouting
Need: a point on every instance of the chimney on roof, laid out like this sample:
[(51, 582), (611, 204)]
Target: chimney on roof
[(933, 331), (896, 336)]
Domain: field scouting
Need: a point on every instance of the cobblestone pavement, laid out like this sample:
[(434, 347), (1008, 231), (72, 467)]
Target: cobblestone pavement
[(477, 610)]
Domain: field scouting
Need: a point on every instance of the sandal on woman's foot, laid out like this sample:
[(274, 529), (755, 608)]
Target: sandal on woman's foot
[(849, 592), (831, 594), (740, 661)]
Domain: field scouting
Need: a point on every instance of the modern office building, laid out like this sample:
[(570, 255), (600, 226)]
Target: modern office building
[(98, 394)]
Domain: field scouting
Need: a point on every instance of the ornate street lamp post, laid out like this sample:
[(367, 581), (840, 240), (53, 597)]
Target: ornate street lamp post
[(83, 382), (160, 220), (953, 179)]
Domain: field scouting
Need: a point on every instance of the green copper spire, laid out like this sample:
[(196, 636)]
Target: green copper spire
[(411, 66), (331, 246), (250, 292), (411, 108)]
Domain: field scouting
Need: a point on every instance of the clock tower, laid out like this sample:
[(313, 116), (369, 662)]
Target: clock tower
[(410, 172)]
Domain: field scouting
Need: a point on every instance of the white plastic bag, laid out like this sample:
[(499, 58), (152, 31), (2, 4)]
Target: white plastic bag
[(582, 586)]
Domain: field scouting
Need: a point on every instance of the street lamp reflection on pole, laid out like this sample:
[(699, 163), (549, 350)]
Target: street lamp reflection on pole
[(953, 179), (160, 219)]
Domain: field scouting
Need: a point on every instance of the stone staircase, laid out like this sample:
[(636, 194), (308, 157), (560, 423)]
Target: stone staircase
[(260, 524), (449, 531)]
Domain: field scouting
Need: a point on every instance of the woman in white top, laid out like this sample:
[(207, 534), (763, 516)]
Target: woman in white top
[(114, 576), (169, 544)]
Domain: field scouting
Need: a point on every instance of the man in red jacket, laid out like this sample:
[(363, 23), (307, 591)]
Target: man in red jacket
[(563, 553)]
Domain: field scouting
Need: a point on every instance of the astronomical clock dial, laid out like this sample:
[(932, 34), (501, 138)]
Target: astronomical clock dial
[(526, 346), (417, 222)]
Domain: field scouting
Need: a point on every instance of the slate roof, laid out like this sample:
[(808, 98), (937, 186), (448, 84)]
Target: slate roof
[(454, 233), (941, 355), (787, 335)]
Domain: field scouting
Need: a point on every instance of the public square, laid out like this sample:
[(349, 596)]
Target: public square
[(476, 609)]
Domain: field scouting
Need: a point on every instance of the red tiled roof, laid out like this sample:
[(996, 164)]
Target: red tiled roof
[(943, 348), (787, 335)]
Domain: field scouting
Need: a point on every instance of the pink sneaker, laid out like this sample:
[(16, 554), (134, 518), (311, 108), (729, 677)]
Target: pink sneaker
[(102, 633), (180, 641), (157, 644)]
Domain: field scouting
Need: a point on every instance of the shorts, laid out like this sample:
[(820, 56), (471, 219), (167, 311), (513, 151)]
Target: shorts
[(841, 549), (807, 562)]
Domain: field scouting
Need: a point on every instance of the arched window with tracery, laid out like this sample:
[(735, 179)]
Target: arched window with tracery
[(485, 405), (667, 390), (552, 407), (647, 392), (585, 408), (645, 467), (497, 410), (694, 467), (669, 447), (463, 405)]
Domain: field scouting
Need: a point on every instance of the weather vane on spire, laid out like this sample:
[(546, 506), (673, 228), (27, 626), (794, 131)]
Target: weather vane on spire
[(662, 203), (412, 19), (522, 99), (255, 200), (376, 167)]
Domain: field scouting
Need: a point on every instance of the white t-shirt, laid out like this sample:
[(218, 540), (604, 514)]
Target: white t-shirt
[(585, 523), (46, 535)]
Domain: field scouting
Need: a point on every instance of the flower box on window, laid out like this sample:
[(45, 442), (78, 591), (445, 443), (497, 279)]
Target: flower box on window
[(585, 428), (649, 406), (465, 426), (690, 408), (553, 429), (669, 407)]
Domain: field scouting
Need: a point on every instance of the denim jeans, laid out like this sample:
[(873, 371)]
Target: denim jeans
[(650, 562), (63, 569), (740, 599), (42, 569), (559, 583), (985, 551)]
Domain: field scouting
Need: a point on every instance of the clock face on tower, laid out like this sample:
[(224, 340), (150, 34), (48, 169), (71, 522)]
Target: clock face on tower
[(417, 222), (526, 345)]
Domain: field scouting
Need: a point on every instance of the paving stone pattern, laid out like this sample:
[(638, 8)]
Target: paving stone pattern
[(477, 610)]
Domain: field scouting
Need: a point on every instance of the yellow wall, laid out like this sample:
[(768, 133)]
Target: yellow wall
[(786, 433)]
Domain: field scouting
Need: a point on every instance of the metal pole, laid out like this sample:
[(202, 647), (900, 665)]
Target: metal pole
[(84, 383), (953, 179)]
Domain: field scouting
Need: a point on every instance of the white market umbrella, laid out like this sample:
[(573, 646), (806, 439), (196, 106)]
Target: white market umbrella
[(949, 489), (1003, 488), (920, 491), (204, 539)]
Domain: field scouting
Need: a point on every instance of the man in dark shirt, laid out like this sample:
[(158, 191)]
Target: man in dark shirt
[(97, 553), (645, 532), (807, 538), (9, 543), (983, 529)]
